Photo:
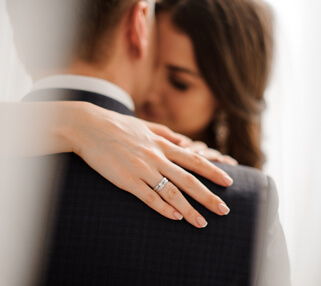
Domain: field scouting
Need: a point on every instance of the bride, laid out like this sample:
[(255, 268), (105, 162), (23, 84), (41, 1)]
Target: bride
[(214, 65)]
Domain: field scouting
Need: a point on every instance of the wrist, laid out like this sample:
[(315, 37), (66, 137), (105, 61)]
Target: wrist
[(82, 119), (71, 118)]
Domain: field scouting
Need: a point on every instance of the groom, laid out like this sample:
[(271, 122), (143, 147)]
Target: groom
[(104, 236)]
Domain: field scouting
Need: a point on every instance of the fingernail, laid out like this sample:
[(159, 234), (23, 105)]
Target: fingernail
[(178, 215), (224, 208), (228, 180), (201, 221)]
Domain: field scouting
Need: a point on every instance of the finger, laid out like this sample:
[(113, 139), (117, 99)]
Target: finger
[(154, 201), (197, 146), (185, 142), (226, 160), (171, 194), (199, 165), (210, 154), (211, 157), (194, 188), (168, 134), (214, 155)]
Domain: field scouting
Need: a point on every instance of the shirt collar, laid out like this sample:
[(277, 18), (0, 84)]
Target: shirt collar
[(86, 83)]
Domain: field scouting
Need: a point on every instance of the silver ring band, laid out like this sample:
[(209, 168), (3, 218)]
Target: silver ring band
[(161, 185)]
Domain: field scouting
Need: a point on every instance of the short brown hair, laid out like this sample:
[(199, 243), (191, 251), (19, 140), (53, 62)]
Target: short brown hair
[(49, 33), (98, 20)]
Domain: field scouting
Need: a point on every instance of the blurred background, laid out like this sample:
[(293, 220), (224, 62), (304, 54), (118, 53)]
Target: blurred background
[(292, 132)]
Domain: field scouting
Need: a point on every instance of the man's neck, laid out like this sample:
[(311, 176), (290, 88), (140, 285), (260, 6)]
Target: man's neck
[(118, 75)]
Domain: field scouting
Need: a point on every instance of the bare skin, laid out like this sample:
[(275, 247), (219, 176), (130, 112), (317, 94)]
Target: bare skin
[(142, 157)]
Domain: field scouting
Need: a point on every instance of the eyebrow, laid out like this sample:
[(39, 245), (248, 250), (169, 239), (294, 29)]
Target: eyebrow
[(182, 69)]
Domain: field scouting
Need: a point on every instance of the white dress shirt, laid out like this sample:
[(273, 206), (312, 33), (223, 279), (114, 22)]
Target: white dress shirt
[(86, 83)]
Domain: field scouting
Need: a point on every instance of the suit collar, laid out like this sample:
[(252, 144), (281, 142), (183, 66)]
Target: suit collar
[(88, 84), (60, 94)]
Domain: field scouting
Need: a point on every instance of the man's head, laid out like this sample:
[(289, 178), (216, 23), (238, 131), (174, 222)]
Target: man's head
[(118, 42), (110, 39)]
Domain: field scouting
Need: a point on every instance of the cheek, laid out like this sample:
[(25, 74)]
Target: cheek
[(176, 104), (205, 113), (192, 113)]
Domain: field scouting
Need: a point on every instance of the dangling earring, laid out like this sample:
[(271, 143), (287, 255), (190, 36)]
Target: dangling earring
[(221, 130)]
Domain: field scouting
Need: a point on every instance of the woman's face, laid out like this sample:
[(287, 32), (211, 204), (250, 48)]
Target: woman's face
[(180, 98)]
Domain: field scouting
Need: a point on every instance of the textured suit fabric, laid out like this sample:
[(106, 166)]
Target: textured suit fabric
[(105, 236)]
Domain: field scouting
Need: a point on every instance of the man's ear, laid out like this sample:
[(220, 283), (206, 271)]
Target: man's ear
[(138, 30)]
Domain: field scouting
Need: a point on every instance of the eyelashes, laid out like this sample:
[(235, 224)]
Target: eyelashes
[(178, 84)]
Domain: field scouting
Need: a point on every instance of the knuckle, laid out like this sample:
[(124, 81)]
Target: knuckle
[(129, 185), (190, 212), (164, 128), (150, 153), (215, 152), (162, 142), (145, 150), (166, 209), (201, 144), (190, 181), (151, 198), (172, 193), (135, 159), (197, 160), (139, 164), (211, 200)]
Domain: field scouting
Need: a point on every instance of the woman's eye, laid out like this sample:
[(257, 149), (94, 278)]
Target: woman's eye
[(180, 85)]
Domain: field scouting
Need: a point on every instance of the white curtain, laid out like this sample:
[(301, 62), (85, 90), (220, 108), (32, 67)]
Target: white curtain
[(292, 132), (14, 81), (292, 136)]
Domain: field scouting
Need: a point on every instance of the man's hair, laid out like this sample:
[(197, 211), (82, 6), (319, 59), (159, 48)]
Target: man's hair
[(98, 21), (48, 34)]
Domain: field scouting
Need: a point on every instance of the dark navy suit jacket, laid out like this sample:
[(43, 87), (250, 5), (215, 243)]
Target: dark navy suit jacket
[(102, 235)]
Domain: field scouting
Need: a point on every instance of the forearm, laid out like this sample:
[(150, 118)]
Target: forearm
[(32, 129)]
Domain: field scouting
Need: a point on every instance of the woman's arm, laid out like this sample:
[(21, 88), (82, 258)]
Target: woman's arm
[(139, 157)]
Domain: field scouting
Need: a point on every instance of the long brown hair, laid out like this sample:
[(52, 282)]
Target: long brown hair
[(232, 40)]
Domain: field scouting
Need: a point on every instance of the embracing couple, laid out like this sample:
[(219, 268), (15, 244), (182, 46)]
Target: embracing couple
[(199, 67)]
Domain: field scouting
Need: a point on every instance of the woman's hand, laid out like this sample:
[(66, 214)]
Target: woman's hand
[(127, 153), (165, 132), (195, 146), (210, 154), (121, 148)]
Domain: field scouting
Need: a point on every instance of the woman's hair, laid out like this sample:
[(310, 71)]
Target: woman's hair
[(233, 44)]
